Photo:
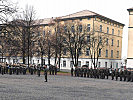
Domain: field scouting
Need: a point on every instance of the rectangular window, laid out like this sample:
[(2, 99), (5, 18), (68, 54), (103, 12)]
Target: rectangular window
[(72, 29), (38, 33), (64, 51), (43, 33), (80, 28), (87, 63), (106, 64), (79, 63), (88, 28), (117, 54), (64, 63), (107, 30), (107, 41), (111, 53), (112, 31), (116, 65), (99, 52), (117, 43), (87, 51), (99, 64), (106, 53), (118, 32), (65, 29), (88, 38), (100, 39), (71, 64), (89, 18), (112, 42), (100, 28)]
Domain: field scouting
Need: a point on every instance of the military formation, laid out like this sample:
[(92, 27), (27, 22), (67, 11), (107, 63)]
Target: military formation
[(103, 73), (22, 69)]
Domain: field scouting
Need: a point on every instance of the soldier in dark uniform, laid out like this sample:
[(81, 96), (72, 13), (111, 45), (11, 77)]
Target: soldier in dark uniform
[(38, 70), (85, 71), (107, 72), (72, 71), (0, 67), (112, 74), (45, 73), (2, 70), (50, 69), (128, 76), (116, 74), (10, 69), (91, 72), (125, 74), (88, 72), (121, 74), (75, 71), (132, 76), (55, 68), (81, 71)]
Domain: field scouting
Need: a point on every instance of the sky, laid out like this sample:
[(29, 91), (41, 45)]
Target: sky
[(114, 9)]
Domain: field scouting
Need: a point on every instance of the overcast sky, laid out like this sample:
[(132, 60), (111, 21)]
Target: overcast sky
[(114, 9)]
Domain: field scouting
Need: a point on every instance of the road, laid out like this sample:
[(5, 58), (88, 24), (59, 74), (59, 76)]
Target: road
[(32, 87)]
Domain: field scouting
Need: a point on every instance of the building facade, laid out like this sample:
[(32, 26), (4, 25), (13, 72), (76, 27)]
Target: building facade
[(110, 55), (130, 39)]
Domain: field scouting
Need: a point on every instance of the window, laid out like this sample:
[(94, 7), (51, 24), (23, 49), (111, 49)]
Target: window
[(71, 64), (88, 38), (99, 52), (88, 27), (112, 42), (43, 33), (87, 63), (99, 64), (100, 40), (118, 32), (87, 51), (80, 51), (116, 65), (100, 28), (106, 64), (79, 63), (64, 51), (117, 43), (117, 54), (111, 53), (112, 31), (89, 18), (38, 61), (107, 41), (38, 33), (106, 53), (65, 28), (80, 19), (72, 29), (80, 28), (64, 63), (107, 30)]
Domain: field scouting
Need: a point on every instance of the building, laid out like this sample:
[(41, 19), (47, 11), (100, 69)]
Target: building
[(130, 39), (110, 55)]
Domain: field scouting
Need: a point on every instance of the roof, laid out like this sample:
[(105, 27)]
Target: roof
[(129, 9), (79, 14), (44, 21)]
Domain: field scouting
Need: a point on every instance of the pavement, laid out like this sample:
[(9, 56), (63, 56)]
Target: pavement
[(32, 87)]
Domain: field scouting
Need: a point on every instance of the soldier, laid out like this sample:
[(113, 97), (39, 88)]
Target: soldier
[(116, 74), (91, 72), (121, 74), (38, 70), (2, 70), (72, 71), (88, 72), (45, 73), (85, 71), (107, 72), (82, 71), (55, 69), (50, 69), (112, 74), (10, 69), (132, 76), (0, 67), (125, 74), (128, 75), (75, 71)]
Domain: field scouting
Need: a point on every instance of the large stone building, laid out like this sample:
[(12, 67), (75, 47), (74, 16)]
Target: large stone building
[(130, 39), (110, 55)]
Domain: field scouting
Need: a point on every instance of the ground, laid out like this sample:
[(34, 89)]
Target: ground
[(32, 87)]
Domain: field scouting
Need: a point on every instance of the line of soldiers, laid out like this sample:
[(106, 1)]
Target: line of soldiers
[(102, 73), (52, 70)]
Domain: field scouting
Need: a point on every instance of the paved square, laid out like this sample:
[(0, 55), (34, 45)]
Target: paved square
[(32, 87)]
